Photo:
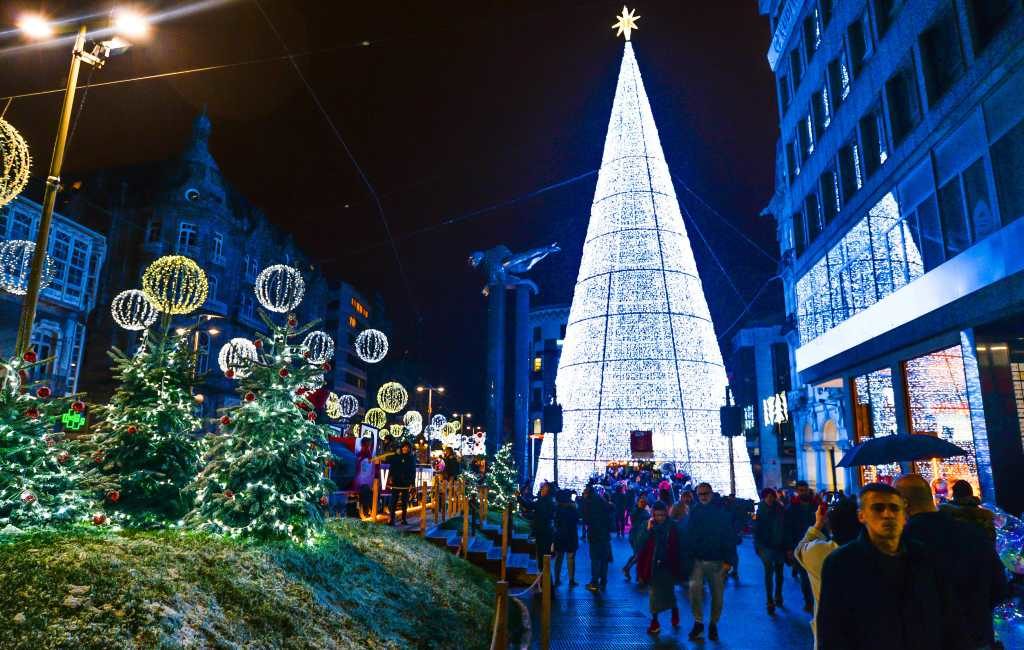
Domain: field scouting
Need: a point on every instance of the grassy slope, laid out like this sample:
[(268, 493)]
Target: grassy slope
[(362, 586)]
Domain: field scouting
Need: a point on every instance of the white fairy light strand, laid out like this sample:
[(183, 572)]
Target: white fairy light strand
[(640, 351), (16, 266)]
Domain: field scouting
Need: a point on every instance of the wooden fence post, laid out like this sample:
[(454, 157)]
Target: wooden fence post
[(483, 505), (545, 605), (505, 521), (465, 528), (423, 510), (501, 616), (376, 498)]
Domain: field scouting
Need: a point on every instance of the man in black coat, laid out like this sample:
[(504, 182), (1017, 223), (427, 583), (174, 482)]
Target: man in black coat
[(710, 540), (403, 476), (965, 556), (597, 514), (800, 517), (880, 591)]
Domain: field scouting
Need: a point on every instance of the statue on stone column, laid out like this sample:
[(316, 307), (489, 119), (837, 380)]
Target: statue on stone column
[(499, 263)]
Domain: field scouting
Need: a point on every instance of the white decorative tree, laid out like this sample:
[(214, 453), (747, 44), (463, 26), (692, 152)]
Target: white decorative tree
[(640, 351)]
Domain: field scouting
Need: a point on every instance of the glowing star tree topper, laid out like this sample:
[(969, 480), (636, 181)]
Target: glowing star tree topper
[(640, 352)]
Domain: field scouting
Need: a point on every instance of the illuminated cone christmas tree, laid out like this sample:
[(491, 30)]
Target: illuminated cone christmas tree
[(143, 452), (37, 486), (640, 352), (266, 473)]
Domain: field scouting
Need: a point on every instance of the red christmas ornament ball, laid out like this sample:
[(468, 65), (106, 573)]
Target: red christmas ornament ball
[(301, 390), (250, 396), (44, 392), (225, 420), (78, 406), (32, 413), (28, 497), (97, 457), (22, 375), (29, 356), (99, 519), (307, 354), (63, 457), (257, 344), (311, 417), (326, 367), (283, 372), (302, 405), (229, 373), (292, 322), (229, 494), (132, 429), (114, 496), (323, 501)]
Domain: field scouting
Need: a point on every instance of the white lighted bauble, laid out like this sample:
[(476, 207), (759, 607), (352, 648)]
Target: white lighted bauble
[(133, 310), (349, 405), (456, 426), (333, 406), (392, 397), (14, 162), (376, 418), (237, 355), (314, 382), (414, 428), (320, 347), (279, 288), (371, 345), (412, 417), (438, 421), (16, 266), (448, 430)]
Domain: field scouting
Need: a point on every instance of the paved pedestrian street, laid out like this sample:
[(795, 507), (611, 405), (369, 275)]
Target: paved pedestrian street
[(618, 617)]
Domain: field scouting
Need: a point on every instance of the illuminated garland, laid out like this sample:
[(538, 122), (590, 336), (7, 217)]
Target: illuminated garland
[(16, 266), (175, 284), (392, 397), (133, 310), (279, 288), (376, 418), (371, 345), (319, 346), (15, 162), (236, 358)]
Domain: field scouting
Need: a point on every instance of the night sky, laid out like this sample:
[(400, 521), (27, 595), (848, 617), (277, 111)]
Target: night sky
[(458, 113)]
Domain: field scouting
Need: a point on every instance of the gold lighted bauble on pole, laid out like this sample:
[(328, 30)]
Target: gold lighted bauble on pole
[(392, 397), (14, 162), (175, 284), (376, 418)]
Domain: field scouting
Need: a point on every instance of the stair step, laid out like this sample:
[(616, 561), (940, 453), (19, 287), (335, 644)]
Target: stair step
[(494, 553), (480, 545)]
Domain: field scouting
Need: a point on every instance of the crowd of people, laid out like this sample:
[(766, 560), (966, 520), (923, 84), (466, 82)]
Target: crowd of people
[(886, 569)]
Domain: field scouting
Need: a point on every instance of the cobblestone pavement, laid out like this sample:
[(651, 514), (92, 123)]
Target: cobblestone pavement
[(617, 619)]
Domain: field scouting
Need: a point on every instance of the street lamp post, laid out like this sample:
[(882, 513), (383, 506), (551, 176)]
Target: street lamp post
[(462, 419), (430, 397), (97, 57)]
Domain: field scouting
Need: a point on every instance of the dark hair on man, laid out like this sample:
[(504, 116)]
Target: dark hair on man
[(766, 491), (878, 488), (801, 484), (659, 505), (962, 490), (707, 485), (842, 521)]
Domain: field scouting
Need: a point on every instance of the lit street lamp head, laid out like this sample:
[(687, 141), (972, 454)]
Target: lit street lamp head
[(130, 24), (35, 26)]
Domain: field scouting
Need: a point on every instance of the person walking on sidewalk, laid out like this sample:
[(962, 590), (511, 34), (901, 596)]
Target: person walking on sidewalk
[(598, 519), (619, 499), (709, 540), (566, 542), (770, 545), (403, 475), (542, 521), (638, 523), (659, 564), (799, 517)]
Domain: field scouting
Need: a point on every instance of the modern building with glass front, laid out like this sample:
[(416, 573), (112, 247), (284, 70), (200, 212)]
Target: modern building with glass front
[(899, 197)]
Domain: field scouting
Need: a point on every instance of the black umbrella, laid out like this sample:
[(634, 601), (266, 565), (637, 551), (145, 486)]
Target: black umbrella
[(895, 449)]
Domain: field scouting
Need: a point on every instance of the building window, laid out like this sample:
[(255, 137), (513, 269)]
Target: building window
[(812, 32), (964, 207), (1008, 169), (885, 14), (937, 401), (45, 341), (536, 334), (792, 160), (849, 170), (211, 292), (821, 110), (252, 267), (352, 322), (784, 92), (875, 416), (203, 353), (537, 364), (246, 309), (988, 17), (831, 202), (859, 37), (538, 426), (942, 58), (536, 398), (799, 236), (904, 106), (1017, 372), (153, 230), (188, 238), (872, 135), (926, 230), (795, 67), (360, 309), (812, 216), (839, 79), (218, 248), (876, 257), (808, 136), (71, 256)]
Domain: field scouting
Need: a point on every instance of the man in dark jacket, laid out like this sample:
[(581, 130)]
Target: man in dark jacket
[(771, 544), (800, 517), (598, 517), (542, 521), (403, 476), (710, 541), (879, 591), (965, 556), (967, 508)]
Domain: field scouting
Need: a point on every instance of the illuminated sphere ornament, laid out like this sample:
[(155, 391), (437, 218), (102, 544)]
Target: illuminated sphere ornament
[(333, 406), (237, 355), (438, 421), (376, 418), (396, 430), (449, 430), (349, 405), (371, 345), (175, 284), (14, 162), (412, 418), (16, 266), (320, 347), (456, 426), (279, 288), (313, 382), (392, 397), (133, 310)]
